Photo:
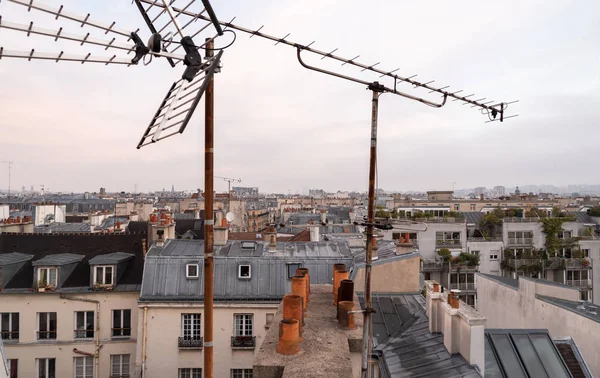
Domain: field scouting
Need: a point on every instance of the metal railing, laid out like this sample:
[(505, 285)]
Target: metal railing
[(568, 263), (46, 335), (517, 263), (432, 265), (580, 283), (9, 335), (439, 220), (521, 220), (520, 241), (190, 342), (83, 333), (243, 341), (448, 243), (463, 286), (485, 239), (121, 332)]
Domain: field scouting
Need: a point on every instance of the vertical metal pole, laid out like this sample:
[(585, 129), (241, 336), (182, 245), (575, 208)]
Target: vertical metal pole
[(208, 222), (367, 331)]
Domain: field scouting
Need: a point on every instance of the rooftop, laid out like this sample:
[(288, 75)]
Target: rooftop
[(62, 227), (589, 310), (401, 337), (14, 258), (111, 258), (510, 282), (58, 259), (325, 351)]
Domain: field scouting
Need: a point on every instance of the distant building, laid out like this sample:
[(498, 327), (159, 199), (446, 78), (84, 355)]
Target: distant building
[(245, 192), (479, 191), (440, 195), (499, 191), (316, 193)]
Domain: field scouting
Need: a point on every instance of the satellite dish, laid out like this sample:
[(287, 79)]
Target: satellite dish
[(229, 217)]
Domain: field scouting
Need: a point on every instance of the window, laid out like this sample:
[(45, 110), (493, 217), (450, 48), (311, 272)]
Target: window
[(472, 207), (243, 324), (244, 271), (46, 367), (9, 325), (190, 373), (46, 325), (84, 324), (493, 257), (103, 275), (476, 253), (291, 269), (585, 252), (121, 323), (47, 276), (191, 326), (119, 366), (14, 367), (241, 373), (565, 235), (84, 367), (447, 238), (191, 271), (520, 237)]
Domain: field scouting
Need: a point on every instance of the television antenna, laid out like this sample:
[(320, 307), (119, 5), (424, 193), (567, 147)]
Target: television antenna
[(229, 181), (172, 37), (9, 163), (388, 82)]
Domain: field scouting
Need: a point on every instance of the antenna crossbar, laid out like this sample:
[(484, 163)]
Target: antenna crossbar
[(492, 109), (62, 57), (85, 20), (58, 34)]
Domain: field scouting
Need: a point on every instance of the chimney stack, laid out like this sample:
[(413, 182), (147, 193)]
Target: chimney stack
[(293, 309), (304, 272), (221, 230), (338, 276), (299, 289), (345, 293), (323, 216), (289, 337), (345, 317)]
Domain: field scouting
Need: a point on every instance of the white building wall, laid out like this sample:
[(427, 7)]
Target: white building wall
[(594, 247), (4, 211), (539, 237), (29, 348), (41, 211), (163, 356), (507, 307), (486, 249)]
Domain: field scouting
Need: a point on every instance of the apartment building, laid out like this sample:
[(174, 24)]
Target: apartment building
[(250, 279), (69, 304)]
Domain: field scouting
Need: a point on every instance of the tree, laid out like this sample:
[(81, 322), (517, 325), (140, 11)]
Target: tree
[(445, 254), (395, 214), (594, 211), (556, 212), (381, 213)]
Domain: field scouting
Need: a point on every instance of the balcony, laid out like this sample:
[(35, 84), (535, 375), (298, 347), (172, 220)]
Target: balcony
[(83, 334), (463, 286), (580, 283), (190, 342), (569, 263), (9, 335), (46, 335), (520, 241), (485, 239), (430, 265), (517, 263), (243, 342), (448, 243)]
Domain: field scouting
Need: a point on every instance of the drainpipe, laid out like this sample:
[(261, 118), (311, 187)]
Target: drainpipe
[(144, 341), (96, 331)]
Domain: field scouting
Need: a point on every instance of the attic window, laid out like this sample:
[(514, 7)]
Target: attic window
[(248, 245), (103, 275), (191, 271), (244, 271), (291, 269), (47, 276)]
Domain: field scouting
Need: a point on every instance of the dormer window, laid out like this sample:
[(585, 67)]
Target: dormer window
[(47, 276), (244, 271), (191, 271), (103, 275)]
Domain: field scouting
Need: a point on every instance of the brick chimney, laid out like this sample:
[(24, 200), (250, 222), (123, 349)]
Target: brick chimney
[(221, 230), (271, 237)]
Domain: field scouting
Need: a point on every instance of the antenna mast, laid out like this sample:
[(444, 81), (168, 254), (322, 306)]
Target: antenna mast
[(9, 163)]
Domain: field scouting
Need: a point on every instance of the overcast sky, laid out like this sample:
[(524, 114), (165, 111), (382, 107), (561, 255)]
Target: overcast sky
[(280, 127)]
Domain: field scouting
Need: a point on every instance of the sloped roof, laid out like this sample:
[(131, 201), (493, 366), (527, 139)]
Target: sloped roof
[(58, 259), (510, 282), (88, 245), (522, 353), (586, 309), (401, 335), (62, 227), (14, 258), (111, 258), (474, 217), (572, 356), (582, 217)]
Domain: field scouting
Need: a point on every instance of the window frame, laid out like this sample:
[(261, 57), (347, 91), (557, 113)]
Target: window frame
[(193, 326), (11, 326), (114, 374), (187, 271), (246, 318), (104, 268), (121, 330), (49, 332), (47, 373), (189, 373), (47, 269), (249, 276), (86, 315), (293, 273), (493, 257), (85, 365), (241, 373)]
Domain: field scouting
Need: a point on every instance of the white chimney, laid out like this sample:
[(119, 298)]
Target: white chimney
[(323, 216), (314, 232)]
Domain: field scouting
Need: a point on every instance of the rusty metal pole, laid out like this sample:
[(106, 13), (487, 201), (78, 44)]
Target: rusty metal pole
[(367, 323), (208, 222)]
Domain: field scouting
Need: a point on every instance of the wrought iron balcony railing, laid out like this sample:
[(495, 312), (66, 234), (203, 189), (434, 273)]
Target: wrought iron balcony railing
[(243, 341), (190, 342)]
